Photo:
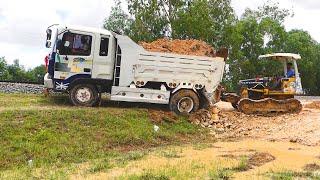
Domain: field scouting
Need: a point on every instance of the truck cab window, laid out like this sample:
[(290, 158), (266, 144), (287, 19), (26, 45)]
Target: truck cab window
[(75, 44), (104, 46)]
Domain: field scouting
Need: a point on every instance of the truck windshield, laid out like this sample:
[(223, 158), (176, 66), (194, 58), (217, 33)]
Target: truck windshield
[(75, 44)]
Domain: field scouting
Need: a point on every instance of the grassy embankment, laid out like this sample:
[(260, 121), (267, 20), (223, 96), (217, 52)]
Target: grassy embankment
[(42, 135), (46, 138)]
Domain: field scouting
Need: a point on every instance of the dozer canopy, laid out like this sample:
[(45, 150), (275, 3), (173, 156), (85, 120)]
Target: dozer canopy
[(281, 56)]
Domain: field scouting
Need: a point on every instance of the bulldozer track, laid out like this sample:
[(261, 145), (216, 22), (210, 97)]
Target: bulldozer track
[(269, 105)]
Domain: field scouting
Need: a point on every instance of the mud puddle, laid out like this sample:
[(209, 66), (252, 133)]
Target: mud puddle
[(194, 162), (277, 156)]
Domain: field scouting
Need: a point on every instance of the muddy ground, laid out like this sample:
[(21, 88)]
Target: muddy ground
[(274, 144), (228, 124), (248, 147), (303, 128), (197, 162)]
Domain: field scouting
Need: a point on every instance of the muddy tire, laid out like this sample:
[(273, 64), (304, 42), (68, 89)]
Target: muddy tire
[(184, 102), (84, 95)]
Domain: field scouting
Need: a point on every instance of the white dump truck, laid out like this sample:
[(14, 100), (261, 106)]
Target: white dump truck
[(86, 62)]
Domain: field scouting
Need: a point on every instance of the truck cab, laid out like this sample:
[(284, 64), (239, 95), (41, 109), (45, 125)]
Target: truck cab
[(86, 62), (79, 53)]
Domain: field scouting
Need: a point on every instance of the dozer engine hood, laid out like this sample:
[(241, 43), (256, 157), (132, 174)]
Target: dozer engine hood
[(252, 83)]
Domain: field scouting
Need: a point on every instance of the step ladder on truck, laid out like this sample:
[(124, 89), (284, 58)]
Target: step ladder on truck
[(86, 62)]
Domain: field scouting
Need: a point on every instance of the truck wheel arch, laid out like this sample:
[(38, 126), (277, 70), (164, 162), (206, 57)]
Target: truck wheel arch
[(102, 85), (203, 101), (191, 97)]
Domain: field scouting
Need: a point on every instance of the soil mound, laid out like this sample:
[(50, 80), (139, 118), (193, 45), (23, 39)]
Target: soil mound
[(158, 116), (259, 159), (184, 47), (205, 117), (312, 167), (313, 105)]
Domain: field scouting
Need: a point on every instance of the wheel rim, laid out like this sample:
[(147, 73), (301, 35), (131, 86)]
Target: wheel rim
[(185, 105), (83, 95)]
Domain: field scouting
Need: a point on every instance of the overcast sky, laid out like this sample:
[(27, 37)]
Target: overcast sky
[(23, 23)]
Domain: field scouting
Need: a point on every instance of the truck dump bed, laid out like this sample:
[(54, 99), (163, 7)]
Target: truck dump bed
[(138, 64)]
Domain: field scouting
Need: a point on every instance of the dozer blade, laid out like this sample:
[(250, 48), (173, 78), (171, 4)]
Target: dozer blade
[(269, 105)]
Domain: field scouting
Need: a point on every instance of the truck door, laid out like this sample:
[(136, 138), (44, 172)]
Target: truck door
[(103, 62), (75, 54)]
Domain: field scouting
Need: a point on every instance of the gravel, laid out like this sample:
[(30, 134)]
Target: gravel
[(6, 87)]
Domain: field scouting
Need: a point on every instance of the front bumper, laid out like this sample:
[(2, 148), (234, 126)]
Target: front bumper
[(48, 82)]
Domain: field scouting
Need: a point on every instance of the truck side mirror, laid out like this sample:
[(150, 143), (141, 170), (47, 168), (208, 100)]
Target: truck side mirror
[(48, 44), (49, 34)]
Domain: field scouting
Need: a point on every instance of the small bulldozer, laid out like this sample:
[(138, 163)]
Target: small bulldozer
[(264, 95)]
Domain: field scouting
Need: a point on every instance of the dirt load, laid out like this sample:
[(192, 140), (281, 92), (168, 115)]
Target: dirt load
[(206, 118), (259, 159), (313, 105), (183, 47), (311, 167), (158, 116), (302, 128), (224, 122)]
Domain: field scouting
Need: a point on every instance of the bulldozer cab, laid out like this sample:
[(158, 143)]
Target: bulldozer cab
[(290, 82)]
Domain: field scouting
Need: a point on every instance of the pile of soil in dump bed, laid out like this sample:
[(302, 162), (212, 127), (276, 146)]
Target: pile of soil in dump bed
[(184, 47)]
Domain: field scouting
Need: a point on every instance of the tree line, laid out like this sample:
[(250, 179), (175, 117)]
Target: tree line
[(17, 73), (255, 32)]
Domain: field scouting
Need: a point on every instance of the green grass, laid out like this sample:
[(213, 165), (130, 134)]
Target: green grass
[(172, 153), (227, 173), (101, 166), (27, 100), (52, 133), (190, 170), (147, 176), (243, 165), (202, 146), (290, 175), (220, 173), (130, 156)]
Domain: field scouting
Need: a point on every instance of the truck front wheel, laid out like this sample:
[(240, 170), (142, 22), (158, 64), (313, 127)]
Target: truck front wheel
[(184, 102), (84, 95)]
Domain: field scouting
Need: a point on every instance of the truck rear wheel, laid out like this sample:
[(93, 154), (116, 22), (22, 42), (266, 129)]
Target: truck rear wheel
[(184, 102), (84, 95)]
